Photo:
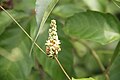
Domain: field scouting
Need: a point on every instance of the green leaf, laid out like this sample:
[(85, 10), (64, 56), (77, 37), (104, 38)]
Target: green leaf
[(116, 52), (10, 70), (15, 64), (100, 77), (65, 56), (95, 26), (84, 79), (96, 5), (43, 10), (21, 5), (6, 20), (93, 4), (66, 11), (12, 33), (114, 70), (61, 2), (34, 76)]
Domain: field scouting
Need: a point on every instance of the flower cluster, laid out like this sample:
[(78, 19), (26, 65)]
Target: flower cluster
[(53, 43)]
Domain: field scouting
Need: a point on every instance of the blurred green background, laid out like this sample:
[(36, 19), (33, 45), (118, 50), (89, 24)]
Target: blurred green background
[(15, 63)]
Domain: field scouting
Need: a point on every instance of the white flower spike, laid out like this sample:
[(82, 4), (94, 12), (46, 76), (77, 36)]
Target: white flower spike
[(53, 43)]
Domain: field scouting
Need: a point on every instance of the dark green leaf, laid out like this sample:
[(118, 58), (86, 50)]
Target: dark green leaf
[(95, 26), (114, 70), (12, 33)]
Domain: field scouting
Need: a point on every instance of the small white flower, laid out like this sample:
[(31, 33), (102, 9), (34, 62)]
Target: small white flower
[(53, 43)]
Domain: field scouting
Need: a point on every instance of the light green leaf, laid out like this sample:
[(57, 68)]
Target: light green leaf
[(5, 20), (43, 10), (93, 4), (84, 79), (66, 11), (95, 26), (96, 5), (100, 77)]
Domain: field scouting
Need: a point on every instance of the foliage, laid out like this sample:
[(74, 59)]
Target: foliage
[(89, 31), (83, 79)]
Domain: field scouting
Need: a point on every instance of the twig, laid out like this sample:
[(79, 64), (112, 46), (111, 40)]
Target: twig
[(115, 3), (62, 68), (22, 29), (93, 52)]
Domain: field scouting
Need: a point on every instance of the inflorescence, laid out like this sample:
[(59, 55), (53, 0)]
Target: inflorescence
[(53, 43)]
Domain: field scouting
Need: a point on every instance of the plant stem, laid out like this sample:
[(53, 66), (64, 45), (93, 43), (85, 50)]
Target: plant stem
[(98, 60), (62, 68), (93, 52), (21, 28), (115, 3)]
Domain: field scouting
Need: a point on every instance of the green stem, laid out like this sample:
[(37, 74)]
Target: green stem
[(62, 68), (95, 56), (93, 52), (115, 3)]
